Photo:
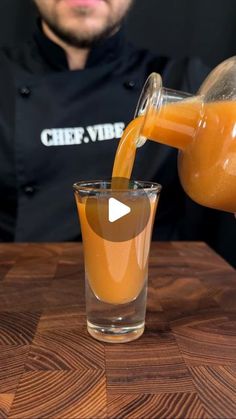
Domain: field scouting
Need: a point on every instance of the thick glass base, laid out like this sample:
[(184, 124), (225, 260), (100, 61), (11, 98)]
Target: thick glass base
[(115, 323), (115, 334)]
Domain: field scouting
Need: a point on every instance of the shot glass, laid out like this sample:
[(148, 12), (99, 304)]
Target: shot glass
[(116, 226)]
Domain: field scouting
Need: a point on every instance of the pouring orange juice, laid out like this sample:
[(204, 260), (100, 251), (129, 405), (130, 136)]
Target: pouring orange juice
[(202, 127)]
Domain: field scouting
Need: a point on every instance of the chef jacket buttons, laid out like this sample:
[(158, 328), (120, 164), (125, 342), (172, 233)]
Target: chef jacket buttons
[(29, 190), (25, 91), (130, 84)]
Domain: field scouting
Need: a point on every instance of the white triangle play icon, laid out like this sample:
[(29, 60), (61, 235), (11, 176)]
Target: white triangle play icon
[(117, 210)]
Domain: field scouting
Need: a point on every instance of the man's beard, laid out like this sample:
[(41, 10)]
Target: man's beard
[(82, 40)]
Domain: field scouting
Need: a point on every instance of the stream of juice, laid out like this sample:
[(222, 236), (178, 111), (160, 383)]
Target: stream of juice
[(207, 158), (207, 169), (120, 274)]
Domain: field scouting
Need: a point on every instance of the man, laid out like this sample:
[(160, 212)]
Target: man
[(66, 97)]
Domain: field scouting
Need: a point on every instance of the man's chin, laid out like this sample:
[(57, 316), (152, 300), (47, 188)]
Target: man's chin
[(86, 37), (85, 33)]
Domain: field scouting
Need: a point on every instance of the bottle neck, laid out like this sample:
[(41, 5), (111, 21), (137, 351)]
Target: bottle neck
[(173, 123), (167, 116)]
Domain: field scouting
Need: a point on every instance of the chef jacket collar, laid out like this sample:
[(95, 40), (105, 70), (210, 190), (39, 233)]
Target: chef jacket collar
[(105, 51)]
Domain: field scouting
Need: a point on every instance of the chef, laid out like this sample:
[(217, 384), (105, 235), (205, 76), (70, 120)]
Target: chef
[(65, 98)]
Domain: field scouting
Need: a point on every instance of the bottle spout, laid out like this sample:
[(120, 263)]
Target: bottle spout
[(148, 100), (161, 122)]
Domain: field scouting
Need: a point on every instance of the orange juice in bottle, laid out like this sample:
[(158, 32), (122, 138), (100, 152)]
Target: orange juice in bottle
[(202, 127)]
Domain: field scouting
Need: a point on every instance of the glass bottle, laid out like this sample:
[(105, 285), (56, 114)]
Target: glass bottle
[(202, 127)]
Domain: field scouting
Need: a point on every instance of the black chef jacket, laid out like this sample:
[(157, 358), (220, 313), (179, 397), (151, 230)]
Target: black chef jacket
[(59, 126)]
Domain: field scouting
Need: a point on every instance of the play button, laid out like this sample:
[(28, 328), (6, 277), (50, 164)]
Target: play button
[(117, 210)]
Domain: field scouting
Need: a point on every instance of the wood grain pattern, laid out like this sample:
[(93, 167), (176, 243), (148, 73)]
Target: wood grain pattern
[(62, 318), (151, 365), (12, 364), (76, 352), (216, 388), (5, 404), (184, 366), (17, 328), (33, 256), (61, 394), (150, 406), (4, 268), (207, 334)]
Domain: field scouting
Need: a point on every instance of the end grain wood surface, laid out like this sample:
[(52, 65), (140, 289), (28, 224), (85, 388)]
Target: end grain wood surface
[(184, 366)]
